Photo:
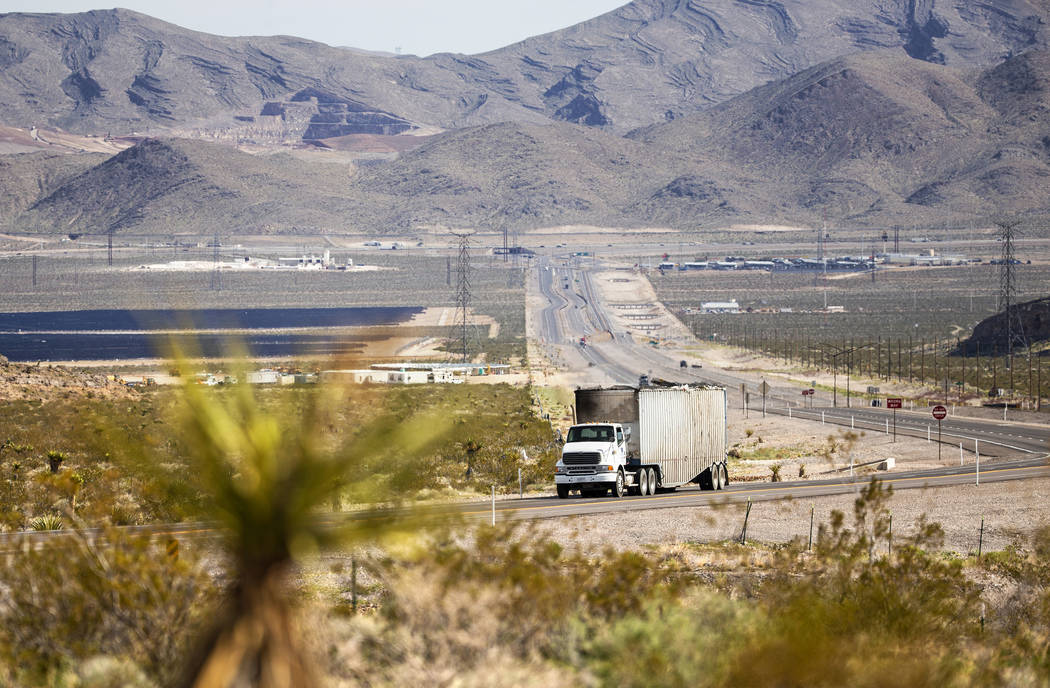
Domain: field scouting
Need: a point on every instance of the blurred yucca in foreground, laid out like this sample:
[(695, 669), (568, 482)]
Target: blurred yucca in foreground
[(267, 471)]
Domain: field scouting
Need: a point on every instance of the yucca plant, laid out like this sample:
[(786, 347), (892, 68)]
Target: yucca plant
[(46, 522), (267, 472)]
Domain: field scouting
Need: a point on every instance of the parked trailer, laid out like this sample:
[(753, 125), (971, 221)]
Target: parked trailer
[(645, 439)]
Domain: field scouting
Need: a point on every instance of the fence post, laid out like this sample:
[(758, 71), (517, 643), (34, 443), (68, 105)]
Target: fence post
[(353, 583), (889, 540), (980, 539), (927, 434), (493, 505), (960, 454), (747, 515), (810, 547), (822, 418), (521, 486)]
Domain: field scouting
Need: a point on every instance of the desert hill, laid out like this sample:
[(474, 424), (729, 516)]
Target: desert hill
[(871, 139), (26, 177), (180, 186), (119, 72), (874, 134)]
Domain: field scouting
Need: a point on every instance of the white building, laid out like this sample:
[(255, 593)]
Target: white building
[(720, 307)]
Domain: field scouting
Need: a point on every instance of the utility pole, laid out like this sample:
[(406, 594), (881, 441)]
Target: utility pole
[(1008, 290), (216, 275), (463, 295)]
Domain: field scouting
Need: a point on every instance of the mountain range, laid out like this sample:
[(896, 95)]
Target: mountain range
[(668, 113)]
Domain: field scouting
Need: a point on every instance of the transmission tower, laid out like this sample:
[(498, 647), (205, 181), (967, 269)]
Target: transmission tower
[(216, 274), (1008, 287), (463, 296)]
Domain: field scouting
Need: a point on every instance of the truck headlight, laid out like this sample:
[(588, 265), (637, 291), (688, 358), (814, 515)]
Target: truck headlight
[(559, 470)]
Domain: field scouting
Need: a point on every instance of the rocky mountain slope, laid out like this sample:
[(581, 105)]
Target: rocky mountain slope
[(181, 186), (878, 135), (514, 175), (117, 71), (871, 139), (27, 177)]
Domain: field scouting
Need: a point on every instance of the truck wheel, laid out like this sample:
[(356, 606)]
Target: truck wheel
[(643, 482), (618, 487), (563, 491), (652, 481), (723, 477), (707, 479)]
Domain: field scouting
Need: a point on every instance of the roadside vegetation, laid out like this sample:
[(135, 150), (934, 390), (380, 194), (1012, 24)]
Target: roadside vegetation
[(119, 456), (506, 606)]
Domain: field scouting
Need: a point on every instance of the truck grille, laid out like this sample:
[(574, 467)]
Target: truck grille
[(578, 458)]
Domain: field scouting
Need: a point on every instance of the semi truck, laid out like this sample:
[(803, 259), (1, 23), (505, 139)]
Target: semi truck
[(645, 440)]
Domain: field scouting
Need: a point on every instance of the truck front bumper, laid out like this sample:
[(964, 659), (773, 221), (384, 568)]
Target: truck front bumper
[(592, 479)]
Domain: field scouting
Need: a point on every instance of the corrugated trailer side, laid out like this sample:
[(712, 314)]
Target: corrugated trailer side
[(682, 429)]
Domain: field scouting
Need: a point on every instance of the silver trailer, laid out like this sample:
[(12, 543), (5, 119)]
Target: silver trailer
[(681, 432)]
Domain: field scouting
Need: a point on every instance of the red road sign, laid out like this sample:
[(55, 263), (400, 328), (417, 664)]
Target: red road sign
[(894, 403), (939, 412), (807, 392)]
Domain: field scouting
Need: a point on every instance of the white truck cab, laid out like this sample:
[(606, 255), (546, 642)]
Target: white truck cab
[(593, 459)]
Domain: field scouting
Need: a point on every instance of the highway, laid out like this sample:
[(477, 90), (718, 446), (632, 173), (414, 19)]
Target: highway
[(1017, 450), (573, 309)]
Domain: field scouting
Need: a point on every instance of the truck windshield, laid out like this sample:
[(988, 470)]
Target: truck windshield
[(591, 433)]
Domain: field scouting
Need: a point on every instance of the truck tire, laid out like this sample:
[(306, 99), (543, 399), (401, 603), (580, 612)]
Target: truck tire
[(643, 482), (725, 474), (618, 488), (707, 479), (653, 483), (563, 491), (723, 477)]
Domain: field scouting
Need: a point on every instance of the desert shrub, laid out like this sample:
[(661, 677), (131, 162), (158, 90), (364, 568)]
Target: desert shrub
[(118, 595), (774, 472), (510, 597)]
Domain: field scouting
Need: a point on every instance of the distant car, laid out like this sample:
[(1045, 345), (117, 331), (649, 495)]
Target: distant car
[(683, 364), (697, 365)]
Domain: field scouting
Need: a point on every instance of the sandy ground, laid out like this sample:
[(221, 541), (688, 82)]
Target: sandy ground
[(1012, 512)]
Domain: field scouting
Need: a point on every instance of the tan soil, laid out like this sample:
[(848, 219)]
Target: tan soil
[(1012, 512)]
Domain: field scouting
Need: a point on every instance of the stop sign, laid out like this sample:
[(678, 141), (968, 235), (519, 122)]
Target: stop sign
[(939, 412)]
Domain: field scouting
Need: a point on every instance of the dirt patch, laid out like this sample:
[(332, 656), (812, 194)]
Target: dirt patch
[(1012, 512)]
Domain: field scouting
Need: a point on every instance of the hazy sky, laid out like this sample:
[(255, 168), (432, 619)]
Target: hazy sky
[(415, 26)]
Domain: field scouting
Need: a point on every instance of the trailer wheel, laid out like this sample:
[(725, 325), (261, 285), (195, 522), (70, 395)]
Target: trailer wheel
[(643, 482), (723, 476), (707, 479), (652, 481), (618, 487), (563, 491)]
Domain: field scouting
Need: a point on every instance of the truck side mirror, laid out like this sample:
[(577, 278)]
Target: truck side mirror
[(627, 433)]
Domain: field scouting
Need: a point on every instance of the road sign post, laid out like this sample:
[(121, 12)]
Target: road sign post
[(939, 412), (894, 403), (764, 388)]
